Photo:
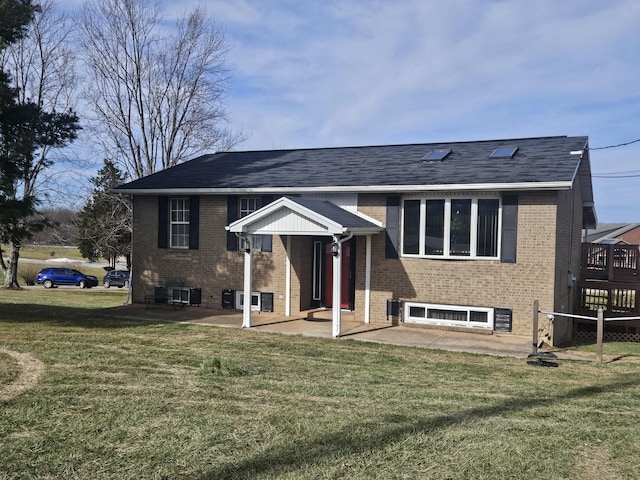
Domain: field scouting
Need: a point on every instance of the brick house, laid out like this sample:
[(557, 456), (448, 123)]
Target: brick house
[(452, 235), (613, 233)]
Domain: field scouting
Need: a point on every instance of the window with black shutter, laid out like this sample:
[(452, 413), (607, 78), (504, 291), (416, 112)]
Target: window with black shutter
[(178, 222)]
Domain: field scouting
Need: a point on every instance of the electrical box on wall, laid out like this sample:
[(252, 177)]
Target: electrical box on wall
[(503, 319), (266, 302), (228, 299)]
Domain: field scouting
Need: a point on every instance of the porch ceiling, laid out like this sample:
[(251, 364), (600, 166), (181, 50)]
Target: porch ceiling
[(298, 216)]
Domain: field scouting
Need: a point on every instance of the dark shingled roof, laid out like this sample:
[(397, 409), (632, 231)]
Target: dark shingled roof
[(545, 159), (334, 213)]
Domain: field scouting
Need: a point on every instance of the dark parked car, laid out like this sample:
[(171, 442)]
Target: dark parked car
[(116, 278), (53, 276)]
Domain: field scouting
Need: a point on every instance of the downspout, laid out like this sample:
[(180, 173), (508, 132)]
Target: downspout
[(129, 288)]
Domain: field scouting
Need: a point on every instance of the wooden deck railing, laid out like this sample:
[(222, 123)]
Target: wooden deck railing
[(618, 299), (613, 263)]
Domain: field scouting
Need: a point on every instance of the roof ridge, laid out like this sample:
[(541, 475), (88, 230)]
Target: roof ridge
[(414, 144)]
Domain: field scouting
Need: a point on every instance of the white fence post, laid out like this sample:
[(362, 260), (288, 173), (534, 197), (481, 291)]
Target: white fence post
[(535, 326), (599, 335)]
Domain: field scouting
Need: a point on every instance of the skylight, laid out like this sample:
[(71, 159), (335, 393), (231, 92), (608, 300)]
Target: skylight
[(436, 155), (504, 152)]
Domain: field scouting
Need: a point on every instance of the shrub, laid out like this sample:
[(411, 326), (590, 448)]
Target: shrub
[(28, 273)]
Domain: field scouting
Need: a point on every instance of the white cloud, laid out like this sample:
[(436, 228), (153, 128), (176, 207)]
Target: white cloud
[(332, 73)]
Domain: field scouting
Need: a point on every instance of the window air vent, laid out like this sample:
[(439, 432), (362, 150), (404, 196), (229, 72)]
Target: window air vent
[(504, 152), (434, 155)]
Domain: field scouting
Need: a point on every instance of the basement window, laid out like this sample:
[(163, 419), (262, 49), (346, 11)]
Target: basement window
[(255, 300), (449, 315)]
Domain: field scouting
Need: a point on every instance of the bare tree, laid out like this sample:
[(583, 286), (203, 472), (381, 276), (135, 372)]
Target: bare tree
[(42, 68), (155, 93)]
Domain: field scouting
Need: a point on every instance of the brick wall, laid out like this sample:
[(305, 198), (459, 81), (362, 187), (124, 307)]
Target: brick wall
[(542, 261), (473, 282), (632, 237), (211, 267)]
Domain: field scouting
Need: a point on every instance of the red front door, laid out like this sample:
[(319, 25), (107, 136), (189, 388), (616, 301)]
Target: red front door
[(346, 284)]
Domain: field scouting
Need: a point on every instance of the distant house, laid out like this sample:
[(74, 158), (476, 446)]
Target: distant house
[(626, 233), (459, 235)]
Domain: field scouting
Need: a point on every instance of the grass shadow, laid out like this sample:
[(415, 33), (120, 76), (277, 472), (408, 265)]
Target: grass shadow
[(279, 460), (71, 316)]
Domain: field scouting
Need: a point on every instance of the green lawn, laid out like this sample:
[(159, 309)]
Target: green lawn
[(125, 399), (46, 252)]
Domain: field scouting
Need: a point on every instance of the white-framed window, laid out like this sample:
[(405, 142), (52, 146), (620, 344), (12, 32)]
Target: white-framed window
[(449, 315), (255, 243), (255, 300), (451, 227), (246, 206), (178, 295), (179, 223)]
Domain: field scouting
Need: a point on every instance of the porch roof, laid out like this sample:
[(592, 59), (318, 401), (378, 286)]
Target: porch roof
[(299, 216)]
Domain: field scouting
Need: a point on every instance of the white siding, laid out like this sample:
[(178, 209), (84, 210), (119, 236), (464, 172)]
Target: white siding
[(284, 220)]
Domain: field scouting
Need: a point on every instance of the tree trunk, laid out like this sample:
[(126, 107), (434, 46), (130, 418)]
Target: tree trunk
[(11, 272)]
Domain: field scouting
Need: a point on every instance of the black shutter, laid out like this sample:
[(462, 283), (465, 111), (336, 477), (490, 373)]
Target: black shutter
[(266, 200), (194, 222), (267, 240), (163, 222), (392, 239), (509, 228), (232, 216)]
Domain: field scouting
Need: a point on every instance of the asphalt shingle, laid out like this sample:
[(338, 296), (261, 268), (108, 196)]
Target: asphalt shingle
[(544, 159)]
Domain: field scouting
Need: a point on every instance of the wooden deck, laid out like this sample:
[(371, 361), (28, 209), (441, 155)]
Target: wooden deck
[(609, 279)]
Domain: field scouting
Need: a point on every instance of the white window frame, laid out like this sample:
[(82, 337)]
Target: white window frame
[(255, 243), (179, 205), (246, 206), (408, 318), (255, 300), (179, 295), (447, 229)]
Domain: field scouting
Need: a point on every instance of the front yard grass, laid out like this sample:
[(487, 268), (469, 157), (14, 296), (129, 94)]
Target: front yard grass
[(129, 399)]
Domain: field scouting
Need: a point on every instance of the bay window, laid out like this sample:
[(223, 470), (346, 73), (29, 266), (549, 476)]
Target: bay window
[(451, 227)]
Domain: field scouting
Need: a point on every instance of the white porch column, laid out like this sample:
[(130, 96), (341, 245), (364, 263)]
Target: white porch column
[(287, 280), (246, 309), (367, 282), (337, 284)]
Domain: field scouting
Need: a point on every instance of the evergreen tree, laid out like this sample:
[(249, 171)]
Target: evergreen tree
[(104, 223)]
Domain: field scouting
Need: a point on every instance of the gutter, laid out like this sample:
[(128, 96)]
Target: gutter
[(472, 187)]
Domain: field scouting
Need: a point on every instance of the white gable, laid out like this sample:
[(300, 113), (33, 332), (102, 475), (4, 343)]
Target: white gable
[(293, 223), (285, 216)]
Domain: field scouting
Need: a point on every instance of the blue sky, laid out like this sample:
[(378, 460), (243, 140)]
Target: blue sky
[(329, 73)]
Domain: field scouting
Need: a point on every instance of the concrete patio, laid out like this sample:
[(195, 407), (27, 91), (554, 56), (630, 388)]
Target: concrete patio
[(495, 344)]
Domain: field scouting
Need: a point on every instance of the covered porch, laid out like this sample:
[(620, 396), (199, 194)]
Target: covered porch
[(291, 217)]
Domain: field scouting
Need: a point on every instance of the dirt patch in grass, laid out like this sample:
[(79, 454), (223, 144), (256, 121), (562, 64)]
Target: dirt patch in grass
[(593, 463), (30, 371)]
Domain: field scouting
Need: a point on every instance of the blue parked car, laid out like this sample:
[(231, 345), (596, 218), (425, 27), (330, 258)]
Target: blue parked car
[(54, 276)]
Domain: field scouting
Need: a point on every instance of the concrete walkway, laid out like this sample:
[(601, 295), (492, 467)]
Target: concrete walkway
[(496, 344)]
